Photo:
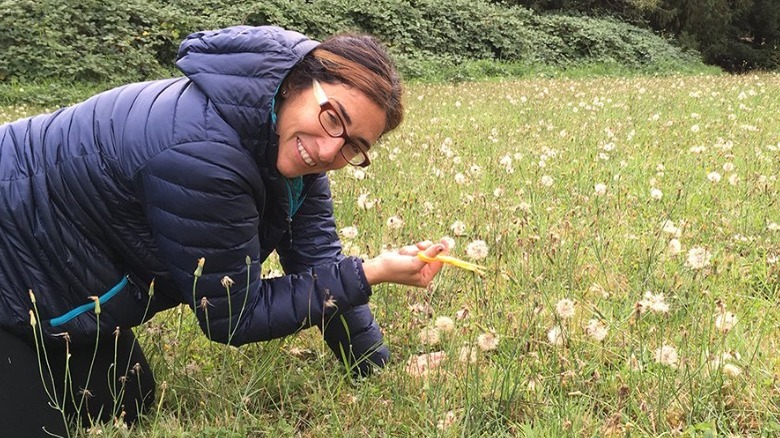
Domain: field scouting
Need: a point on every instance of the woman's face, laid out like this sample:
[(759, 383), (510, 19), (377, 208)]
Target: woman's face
[(304, 145)]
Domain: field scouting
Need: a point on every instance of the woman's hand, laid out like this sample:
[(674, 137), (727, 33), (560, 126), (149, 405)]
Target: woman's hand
[(403, 266)]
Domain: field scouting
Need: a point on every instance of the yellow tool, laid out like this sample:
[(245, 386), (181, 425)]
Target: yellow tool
[(449, 260)]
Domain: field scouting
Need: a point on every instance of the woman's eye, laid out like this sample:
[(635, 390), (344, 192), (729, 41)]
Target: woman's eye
[(354, 148), (332, 118)]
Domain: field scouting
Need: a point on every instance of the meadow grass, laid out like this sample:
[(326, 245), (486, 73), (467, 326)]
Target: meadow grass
[(633, 236)]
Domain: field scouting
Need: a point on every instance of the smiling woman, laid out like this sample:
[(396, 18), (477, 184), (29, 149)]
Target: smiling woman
[(189, 184)]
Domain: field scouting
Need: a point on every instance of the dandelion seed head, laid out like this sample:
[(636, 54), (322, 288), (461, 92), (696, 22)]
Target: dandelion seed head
[(458, 228), (359, 174), (600, 189), (565, 308), (364, 203), (698, 258), (596, 329), (667, 355), (546, 181), (420, 366), (350, 232), (714, 177), (651, 302), (467, 354), (430, 336), (555, 336), (395, 222), (656, 194), (725, 321), (731, 370), (444, 324), (477, 249), (487, 341), (449, 419), (674, 247)]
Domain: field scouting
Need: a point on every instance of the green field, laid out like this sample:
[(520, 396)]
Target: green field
[(631, 286)]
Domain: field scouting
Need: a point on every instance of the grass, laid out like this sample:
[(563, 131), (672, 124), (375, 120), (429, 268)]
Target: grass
[(600, 191)]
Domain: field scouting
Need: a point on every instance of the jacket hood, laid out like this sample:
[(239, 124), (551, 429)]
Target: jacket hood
[(239, 70)]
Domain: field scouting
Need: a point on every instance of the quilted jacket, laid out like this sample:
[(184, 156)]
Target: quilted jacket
[(140, 182)]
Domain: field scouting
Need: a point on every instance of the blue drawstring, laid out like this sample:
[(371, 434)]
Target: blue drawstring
[(89, 306)]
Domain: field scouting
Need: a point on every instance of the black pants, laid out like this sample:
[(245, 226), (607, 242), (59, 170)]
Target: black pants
[(121, 385)]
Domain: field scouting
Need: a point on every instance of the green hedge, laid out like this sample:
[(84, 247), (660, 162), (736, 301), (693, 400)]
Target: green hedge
[(117, 41)]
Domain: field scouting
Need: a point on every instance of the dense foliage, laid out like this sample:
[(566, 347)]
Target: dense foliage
[(737, 35), (111, 41)]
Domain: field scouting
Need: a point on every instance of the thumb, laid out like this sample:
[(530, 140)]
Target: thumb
[(434, 250)]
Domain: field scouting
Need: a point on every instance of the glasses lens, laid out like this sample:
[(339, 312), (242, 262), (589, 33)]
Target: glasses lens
[(331, 122), (353, 154)]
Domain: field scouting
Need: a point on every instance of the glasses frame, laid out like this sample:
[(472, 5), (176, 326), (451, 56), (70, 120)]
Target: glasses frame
[(326, 105)]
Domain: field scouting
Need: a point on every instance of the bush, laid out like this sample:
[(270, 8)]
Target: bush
[(111, 41)]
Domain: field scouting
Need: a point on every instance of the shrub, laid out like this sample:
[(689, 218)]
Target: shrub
[(112, 41)]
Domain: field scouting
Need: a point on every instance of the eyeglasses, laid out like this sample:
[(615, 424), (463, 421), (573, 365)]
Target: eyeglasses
[(333, 124)]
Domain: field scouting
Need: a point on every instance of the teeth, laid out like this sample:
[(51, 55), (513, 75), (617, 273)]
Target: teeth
[(305, 155)]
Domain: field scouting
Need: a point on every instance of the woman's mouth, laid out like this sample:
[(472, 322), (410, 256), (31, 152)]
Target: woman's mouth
[(305, 155)]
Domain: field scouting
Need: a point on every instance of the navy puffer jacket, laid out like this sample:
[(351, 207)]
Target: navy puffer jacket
[(139, 182)]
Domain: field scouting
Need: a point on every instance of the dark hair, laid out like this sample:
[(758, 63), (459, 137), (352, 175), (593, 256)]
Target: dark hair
[(357, 60)]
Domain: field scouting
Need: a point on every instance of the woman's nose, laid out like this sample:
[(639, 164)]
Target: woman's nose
[(330, 148)]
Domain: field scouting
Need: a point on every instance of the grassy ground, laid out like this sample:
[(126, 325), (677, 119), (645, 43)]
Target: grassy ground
[(632, 230)]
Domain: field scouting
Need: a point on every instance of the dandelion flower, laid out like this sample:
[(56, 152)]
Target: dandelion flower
[(698, 258), (565, 308), (444, 324), (487, 341), (596, 329), (555, 336), (667, 355), (477, 249)]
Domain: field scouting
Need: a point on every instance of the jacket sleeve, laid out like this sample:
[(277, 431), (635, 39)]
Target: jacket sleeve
[(353, 335), (201, 200)]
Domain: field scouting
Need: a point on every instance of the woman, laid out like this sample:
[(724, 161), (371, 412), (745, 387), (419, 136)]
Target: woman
[(190, 183)]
